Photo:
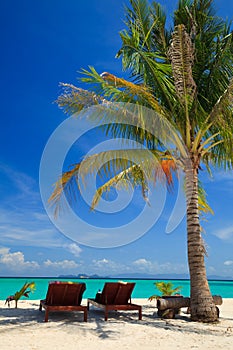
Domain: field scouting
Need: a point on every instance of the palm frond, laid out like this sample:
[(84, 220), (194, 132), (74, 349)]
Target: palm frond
[(24, 291), (133, 175), (140, 51), (203, 205), (136, 91), (221, 113), (64, 185), (164, 173), (74, 99), (161, 36), (135, 166), (140, 15), (201, 133), (166, 289)]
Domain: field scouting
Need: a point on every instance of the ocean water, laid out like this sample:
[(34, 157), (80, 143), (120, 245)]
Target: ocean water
[(144, 287)]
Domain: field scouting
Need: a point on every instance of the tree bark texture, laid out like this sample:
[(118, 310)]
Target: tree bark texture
[(179, 302), (202, 306)]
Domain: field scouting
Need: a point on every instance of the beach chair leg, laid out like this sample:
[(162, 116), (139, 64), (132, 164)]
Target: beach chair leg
[(88, 305), (140, 314), (85, 316), (106, 314), (46, 315)]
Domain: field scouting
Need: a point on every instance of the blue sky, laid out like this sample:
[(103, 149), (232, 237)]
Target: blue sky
[(44, 43)]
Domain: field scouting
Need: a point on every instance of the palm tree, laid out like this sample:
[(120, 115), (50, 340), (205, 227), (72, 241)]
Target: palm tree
[(23, 292), (184, 75), (166, 289)]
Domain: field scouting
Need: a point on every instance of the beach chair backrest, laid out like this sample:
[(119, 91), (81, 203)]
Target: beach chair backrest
[(65, 294), (109, 293), (124, 293), (116, 293)]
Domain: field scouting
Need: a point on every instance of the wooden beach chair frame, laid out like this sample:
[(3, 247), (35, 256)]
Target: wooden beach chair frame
[(115, 296), (64, 296)]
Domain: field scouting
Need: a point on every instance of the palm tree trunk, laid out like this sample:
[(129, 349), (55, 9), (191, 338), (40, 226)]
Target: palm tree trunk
[(201, 301)]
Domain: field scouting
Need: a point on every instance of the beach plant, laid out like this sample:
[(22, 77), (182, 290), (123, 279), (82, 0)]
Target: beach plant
[(23, 292), (184, 74), (165, 289)]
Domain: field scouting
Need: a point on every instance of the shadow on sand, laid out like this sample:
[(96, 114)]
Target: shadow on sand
[(31, 317)]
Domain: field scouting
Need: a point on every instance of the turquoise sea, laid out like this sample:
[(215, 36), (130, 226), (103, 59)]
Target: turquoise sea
[(143, 289)]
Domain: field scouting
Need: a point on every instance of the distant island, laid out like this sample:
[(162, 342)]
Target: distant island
[(143, 276), (83, 275)]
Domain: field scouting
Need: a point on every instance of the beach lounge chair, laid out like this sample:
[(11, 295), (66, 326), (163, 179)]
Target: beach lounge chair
[(64, 296), (115, 296)]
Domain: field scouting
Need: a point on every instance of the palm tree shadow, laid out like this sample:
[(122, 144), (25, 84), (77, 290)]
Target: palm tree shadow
[(102, 327), (183, 323), (21, 317), (11, 318)]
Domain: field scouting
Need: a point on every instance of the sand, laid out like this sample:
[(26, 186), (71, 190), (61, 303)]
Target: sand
[(24, 328)]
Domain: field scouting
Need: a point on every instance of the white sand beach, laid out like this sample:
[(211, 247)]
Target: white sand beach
[(24, 329)]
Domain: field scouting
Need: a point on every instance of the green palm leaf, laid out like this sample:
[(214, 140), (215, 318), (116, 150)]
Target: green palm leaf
[(24, 291)]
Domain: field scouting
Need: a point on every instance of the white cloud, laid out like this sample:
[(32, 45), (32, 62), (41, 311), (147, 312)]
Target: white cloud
[(228, 262), (147, 266), (108, 266), (224, 233), (64, 264), (74, 249), (102, 262), (4, 251), (16, 261), (142, 263)]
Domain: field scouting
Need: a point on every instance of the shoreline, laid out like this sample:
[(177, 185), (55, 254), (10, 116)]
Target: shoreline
[(24, 329), (219, 279), (143, 288)]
